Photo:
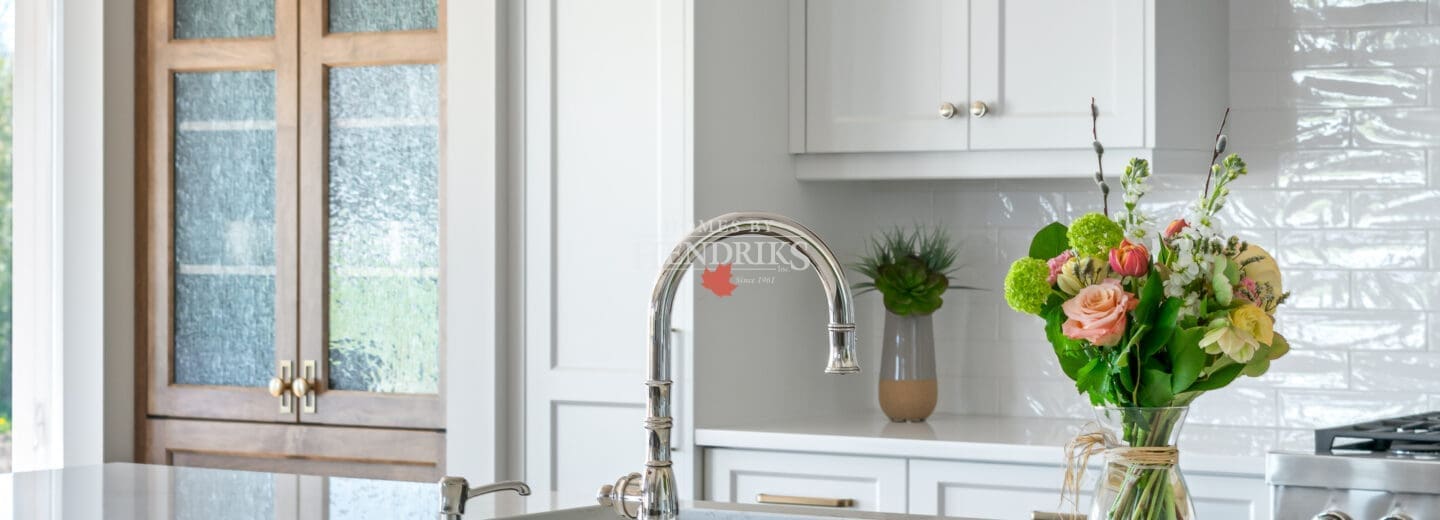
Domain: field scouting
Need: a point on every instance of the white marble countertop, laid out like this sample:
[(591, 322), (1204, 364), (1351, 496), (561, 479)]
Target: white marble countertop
[(1203, 448), (144, 492)]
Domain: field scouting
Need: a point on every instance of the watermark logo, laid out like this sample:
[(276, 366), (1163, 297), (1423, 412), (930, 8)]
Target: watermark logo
[(718, 280), (748, 260)]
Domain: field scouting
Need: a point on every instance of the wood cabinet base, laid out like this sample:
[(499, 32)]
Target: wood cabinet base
[(303, 449)]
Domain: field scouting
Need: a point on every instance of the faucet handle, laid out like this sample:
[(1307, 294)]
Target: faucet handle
[(455, 491), (623, 496)]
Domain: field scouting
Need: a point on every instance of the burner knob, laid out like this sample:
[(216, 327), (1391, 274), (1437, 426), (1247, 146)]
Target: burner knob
[(1333, 514)]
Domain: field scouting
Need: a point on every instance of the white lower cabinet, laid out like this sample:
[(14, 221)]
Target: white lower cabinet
[(996, 490), (741, 476), (942, 487)]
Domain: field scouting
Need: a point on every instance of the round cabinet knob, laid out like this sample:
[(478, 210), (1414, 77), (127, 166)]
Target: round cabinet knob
[(1332, 515), (979, 109), (301, 387), (277, 387), (947, 110)]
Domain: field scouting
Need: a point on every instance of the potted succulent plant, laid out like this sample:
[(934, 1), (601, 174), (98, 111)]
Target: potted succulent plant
[(911, 269)]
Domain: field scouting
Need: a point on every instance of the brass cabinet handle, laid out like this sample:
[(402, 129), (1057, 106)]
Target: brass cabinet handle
[(947, 110), (786, 500), (280, 385), (979, 109), (300, 388), (304, 386)]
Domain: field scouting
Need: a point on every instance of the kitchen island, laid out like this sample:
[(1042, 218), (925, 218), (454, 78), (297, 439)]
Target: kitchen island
[(145, 492)]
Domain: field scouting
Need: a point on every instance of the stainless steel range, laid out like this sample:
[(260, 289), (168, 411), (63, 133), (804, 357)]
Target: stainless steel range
[(1379, 470)]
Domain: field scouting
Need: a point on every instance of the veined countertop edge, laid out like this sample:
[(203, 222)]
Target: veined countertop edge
[(1204, 449)]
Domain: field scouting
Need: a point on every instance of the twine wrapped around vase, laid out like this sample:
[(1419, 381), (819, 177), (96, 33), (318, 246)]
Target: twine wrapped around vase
[(1097, 440)]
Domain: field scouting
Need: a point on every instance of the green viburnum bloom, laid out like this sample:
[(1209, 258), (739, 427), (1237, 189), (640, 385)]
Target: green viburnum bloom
[(1094, 234), (1027, 286)]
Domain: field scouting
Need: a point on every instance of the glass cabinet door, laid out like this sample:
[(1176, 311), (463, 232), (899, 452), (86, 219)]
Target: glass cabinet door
[(219, 175), (370, 212)]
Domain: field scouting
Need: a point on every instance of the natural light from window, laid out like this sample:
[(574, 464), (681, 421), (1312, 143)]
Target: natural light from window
[(7, 46)]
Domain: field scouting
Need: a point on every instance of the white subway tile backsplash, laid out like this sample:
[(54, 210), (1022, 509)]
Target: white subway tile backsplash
[(1260, 405), (1353, 249), (1340, 13), (1413, 127), (1396, 208), (1352, 330), (1397, 290), (1350, 88), (1317, 289), (1320, 409), (1395, 371), (1289, 128), (1320, 369), (1353, 169), (1048, 397), (1315, 48), (1398, 46)]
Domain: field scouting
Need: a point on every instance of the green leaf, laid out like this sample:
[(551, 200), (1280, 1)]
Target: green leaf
[(1049, 242), (1067, 351), (1089, 376), (1165, 324), (1189, 359), (1218, 379), (1150, 295), (1257, 367), (1155, 388)]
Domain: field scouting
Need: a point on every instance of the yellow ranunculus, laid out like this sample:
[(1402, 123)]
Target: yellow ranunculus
[(1241, 334), (1253, 321), (1257, 265)]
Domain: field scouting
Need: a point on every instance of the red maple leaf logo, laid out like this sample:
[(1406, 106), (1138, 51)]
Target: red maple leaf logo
[(718, 281)]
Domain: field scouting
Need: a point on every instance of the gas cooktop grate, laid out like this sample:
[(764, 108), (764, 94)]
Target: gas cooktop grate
[(1418, 433)]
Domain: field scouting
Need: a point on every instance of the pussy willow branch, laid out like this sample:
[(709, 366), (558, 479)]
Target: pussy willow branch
[(1216, 155), (1099, 154)]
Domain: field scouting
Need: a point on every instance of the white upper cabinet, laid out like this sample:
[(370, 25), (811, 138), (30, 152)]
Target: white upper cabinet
[(887, 89), (880, 75)]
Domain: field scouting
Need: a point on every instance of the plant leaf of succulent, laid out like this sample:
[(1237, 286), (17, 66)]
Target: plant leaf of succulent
[(910, 268)]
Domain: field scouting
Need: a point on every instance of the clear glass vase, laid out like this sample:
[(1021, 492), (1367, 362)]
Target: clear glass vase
[(908, 391), (1141, 480)]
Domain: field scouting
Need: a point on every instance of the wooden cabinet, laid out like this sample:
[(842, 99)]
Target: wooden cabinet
[(290, 232), (861, 483), (1008, 83)]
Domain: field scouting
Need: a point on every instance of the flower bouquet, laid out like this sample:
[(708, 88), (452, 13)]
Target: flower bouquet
[(1147, 319)]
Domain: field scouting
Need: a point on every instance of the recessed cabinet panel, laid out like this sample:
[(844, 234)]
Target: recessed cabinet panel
[(878, 74), (384, 229), (224, 255), (1036, 75), (249, 496), (383, 15), (196, 19)]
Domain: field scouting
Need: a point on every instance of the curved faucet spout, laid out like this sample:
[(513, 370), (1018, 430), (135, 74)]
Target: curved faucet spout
[(658, 499)]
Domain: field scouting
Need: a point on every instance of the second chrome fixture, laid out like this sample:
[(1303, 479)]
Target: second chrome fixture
[(653, 495)]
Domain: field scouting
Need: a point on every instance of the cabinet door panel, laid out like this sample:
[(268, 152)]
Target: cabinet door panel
[(196, 19), (877, 72), (1037, 63), (370, 206)]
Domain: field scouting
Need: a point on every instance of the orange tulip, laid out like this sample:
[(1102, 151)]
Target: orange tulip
[(1130, 259)]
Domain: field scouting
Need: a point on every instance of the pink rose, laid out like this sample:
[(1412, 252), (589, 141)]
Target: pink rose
[(1098, 313), (1130, 259), (1057, 263)]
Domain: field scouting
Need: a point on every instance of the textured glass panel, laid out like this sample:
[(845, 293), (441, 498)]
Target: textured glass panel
[(224, 19), (359, 499), (384, 229), (224, 495), (224, 228), (383, 15)]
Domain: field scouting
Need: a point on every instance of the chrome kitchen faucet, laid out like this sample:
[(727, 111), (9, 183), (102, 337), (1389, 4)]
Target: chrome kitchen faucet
[(654, 492)]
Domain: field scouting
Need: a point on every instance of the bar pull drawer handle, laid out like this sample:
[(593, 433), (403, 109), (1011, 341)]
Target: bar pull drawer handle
[(786, 500), (1045, 515)]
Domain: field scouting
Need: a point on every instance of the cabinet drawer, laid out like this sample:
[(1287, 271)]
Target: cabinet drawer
[(870, 483), (988, 490)]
